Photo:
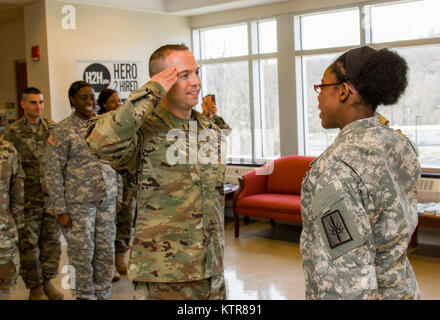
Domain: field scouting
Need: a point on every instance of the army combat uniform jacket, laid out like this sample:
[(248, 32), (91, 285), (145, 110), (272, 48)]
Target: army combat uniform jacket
[(179, 232), (73, 173), (359, 210), (30, 141), (11, 196)]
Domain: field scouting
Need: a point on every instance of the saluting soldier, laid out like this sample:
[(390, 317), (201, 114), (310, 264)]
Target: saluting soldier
[(178, 243), (40, 249)]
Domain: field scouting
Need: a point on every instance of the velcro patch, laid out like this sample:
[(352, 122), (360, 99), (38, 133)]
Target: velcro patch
[(335, 229), (52, 141)]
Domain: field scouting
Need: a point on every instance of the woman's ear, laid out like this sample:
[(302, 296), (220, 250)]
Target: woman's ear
[(344, 92)]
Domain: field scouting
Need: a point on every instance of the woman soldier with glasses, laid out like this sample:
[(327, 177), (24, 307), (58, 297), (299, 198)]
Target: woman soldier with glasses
[(358, 201)]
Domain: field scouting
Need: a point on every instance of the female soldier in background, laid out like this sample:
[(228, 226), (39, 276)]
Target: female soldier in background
[(83, 193), (359, 200), (109, 100)]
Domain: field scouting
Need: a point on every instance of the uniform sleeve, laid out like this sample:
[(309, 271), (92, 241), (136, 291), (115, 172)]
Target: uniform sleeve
[(221, 123), (17, 193), (114, 136), (342, 224), (9, 136), (120, 187), (56, 157)]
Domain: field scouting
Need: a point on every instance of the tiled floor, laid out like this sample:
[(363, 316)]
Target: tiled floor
[(264, 263)]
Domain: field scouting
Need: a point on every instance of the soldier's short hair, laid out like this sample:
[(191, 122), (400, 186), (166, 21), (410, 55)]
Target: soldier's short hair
[(28, 91), (156, 65)]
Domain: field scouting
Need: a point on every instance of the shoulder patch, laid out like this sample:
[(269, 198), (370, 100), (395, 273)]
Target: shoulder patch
[(335, 229), (52, 141)]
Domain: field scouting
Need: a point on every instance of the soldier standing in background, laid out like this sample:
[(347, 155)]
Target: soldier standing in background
[(83, 194), (11, 217), (178, 243), (209, 107), (40, 248), (109, 100)]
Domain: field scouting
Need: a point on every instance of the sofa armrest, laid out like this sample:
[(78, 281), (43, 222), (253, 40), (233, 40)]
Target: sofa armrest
[(250, 184)]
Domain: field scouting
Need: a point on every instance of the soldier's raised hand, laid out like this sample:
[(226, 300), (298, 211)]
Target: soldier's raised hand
[(166, 78)]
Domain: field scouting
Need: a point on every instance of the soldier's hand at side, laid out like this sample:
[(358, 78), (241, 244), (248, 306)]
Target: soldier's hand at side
[(166, 78), (118, 207), (64, 220)]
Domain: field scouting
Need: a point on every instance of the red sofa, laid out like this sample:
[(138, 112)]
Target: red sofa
[(276, 196)]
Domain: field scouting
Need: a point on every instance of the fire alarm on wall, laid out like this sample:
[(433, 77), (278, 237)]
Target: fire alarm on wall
[(36, 53)]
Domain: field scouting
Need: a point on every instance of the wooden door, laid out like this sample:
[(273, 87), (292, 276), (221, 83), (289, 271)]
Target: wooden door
[(21, 76)]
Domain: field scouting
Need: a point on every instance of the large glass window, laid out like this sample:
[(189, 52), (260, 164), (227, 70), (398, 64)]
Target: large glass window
[(229, 82), (317, 138), (417, 113), (224, 42), (243, 75), (413, 26), (267, 36), (267, 112), (335, 29), (410, 20)]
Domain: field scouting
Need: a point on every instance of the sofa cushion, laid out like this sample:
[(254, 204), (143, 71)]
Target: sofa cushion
[(287, 174), (272, 202)]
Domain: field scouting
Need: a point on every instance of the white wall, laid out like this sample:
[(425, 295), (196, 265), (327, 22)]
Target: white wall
[(103, 34), (35, 34), (12, 39)]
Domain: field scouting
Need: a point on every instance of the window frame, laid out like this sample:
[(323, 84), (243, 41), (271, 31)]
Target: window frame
[(253, 58), (365, 30), (293, 122)]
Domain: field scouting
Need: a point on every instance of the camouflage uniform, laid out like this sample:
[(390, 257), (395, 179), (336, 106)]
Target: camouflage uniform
[(179, 232), (40, 249), (359, 210), (125, 217), (11, 216), (86, 189), (221, 124)]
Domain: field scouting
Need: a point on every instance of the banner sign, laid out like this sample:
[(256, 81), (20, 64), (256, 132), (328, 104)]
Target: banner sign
[(122, 76)]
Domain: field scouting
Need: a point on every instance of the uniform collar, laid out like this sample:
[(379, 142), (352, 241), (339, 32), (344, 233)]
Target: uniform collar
[(173, 121), (77, 120), (27, 125), (360, 124)]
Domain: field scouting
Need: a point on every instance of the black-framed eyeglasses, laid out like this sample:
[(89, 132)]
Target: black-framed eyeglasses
[(318, 87)]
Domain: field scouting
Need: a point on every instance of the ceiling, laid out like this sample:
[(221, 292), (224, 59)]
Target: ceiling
[(176, 7)]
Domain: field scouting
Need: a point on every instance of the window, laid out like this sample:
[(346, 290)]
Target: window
[(330, 29), (243, 75), (411, 20), (417, 113), (414, 33), (229, 81), (317, 138), (224, 42)]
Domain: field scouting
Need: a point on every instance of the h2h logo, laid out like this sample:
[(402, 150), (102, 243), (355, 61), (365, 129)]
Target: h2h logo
[(98, 76)]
